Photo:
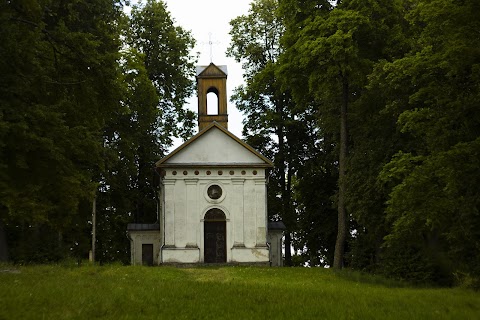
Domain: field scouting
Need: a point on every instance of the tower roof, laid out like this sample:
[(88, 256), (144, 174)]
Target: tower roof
[(212, 70)]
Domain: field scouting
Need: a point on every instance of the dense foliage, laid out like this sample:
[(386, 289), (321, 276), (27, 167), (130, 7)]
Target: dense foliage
[(89, 100), (368, 108), (384, 97)]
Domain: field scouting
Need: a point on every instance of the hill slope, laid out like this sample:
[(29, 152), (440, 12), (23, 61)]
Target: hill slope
[(118, 292)]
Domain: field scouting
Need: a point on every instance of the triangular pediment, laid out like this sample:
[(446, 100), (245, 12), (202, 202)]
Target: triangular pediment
[(215, 146), (212, 71)]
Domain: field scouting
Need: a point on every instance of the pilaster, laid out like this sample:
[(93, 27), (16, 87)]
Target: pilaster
[(169, 213), (260, 222), (192, 212), (180, 213), (238, 212)]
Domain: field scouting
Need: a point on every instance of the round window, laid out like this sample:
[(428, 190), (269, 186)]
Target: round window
[(214, 192)]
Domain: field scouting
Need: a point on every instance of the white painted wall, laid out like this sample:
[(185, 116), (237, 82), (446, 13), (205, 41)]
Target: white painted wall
[(214, 147), (275, 240), (138, 238), (186, 201)]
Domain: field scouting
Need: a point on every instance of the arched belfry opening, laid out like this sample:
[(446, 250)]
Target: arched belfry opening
[(211, 88), (212, 101)]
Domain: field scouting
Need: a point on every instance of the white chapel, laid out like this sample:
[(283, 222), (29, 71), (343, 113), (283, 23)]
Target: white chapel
[(213, 195)]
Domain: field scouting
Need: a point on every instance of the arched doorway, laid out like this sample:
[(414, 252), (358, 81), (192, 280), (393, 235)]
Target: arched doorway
[(215, 237)]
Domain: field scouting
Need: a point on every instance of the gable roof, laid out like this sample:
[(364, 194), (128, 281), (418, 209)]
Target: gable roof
[(214, 146), (212, 70)]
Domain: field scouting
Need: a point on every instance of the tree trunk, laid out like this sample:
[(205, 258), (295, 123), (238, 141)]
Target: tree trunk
[(94, 225), (342, 213), (288, 250), (287, 207), (3, 243), (283, 185)]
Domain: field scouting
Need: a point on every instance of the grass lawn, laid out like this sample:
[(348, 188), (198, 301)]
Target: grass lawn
[(119, 292)]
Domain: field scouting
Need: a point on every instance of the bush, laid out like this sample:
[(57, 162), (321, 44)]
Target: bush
[(416, 265)]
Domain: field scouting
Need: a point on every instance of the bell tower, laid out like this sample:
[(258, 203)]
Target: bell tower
[(212, 81)]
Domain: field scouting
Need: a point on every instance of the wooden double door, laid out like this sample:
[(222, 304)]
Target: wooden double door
[(215, 237)]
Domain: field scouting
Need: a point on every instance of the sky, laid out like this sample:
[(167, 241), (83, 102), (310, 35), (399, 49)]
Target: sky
[(209, 20)]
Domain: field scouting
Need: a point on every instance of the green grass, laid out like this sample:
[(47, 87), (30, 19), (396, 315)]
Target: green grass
[(118, 292)]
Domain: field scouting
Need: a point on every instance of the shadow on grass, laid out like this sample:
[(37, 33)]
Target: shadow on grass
[(374, 279)]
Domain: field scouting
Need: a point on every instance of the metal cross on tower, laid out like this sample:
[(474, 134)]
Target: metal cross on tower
[(211, 43)]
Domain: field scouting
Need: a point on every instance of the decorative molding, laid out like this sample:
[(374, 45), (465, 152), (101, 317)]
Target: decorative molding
[(260, 181), (207, 197), (191, 181), (204, 211), (169, 182), (180, 248), (215, 165), (238, 181)]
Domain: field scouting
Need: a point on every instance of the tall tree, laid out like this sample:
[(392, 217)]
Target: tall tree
[(329, 52), (256, 43), (333, 49), (313, 189), (432, 92), (57, 89), (83, 113), (169, 64), (157, 74), (373, 137)]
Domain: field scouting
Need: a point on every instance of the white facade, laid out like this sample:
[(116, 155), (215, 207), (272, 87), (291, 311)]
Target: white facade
[(213, 159)]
